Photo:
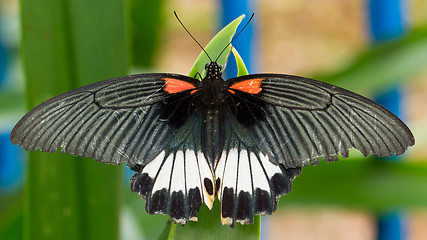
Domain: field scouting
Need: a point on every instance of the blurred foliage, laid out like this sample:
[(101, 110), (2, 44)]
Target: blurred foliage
[(72, 43), (362, 183), (385, 65), (146, 24), (11, 219)]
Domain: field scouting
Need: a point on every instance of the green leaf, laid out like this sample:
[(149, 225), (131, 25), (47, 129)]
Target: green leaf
[(146, 24), (209, 227), (151, 226), (241, 67), (214, 48), (169, 231), (71, 44), (11, 218)]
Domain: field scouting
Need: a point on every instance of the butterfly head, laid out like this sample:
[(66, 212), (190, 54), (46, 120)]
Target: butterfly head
[(213, 85), (213, 70)]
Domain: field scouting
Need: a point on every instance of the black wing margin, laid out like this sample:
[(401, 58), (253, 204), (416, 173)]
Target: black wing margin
[(249, 182), (297, 120), (179, 179), (127, 119)]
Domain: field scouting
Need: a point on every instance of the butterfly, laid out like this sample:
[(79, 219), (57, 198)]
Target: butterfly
[(242, 140), (189, 142)]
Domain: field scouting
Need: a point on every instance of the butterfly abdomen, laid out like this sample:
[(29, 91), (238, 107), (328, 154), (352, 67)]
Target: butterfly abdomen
[(212, 134)]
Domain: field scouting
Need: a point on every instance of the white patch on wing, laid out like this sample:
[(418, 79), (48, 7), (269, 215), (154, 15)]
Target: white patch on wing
[(205, 172), (219, 171), (229, 178), (258, 175), (269, 167), (178, 177), (153, 167), (192, 171), (163, 179), (244, 173), (230, 172)]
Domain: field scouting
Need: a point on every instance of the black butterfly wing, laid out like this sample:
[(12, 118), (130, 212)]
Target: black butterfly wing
[(129, 119), (297, 120), (179, 179), (151, 122), (248, 181)]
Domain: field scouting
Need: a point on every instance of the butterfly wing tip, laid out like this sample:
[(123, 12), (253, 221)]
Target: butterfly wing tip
[(227, 221), (181, 221)]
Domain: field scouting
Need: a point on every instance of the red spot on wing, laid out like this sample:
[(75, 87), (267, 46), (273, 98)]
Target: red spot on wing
[(173, 85), (252, 86), (233, 92)]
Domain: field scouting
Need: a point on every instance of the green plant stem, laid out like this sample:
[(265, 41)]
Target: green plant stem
[(67, 44)]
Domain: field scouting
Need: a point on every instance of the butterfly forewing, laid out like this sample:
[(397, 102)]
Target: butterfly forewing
[(125, 119), (303, 120)]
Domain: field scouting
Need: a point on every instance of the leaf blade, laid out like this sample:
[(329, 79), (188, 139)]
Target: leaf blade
[(67, 197)]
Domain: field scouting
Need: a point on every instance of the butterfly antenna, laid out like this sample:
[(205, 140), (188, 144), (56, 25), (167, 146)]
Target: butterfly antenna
[(176, 15), (235, 36)]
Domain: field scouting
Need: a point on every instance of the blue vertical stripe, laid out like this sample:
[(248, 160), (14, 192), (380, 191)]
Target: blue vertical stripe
[(392, 226), (387, 22), (387, 19), (246, 41), (11, 171), (11, 165), (246, 44)]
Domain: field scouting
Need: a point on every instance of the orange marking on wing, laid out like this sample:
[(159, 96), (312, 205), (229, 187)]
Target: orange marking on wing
[(175, 86), (252, 86), (193, 91), (233, 92)]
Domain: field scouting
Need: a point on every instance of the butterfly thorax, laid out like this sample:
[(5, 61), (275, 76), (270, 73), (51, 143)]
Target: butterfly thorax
[(213, 86)]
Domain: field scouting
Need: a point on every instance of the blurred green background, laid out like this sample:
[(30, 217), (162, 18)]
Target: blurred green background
[(50, 46)]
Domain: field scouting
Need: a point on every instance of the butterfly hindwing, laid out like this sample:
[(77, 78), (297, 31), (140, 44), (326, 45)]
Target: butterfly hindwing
[(128, 119), (297, 120), (250, 182), (179, 179)]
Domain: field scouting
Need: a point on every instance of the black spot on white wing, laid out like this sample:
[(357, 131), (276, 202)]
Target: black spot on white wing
[(171, 184), (193, 183), (250, 183), (208, 186)]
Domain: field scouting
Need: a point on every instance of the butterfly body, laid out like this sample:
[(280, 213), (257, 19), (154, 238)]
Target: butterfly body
[(213, 87), (212, 97), (189, 142)]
